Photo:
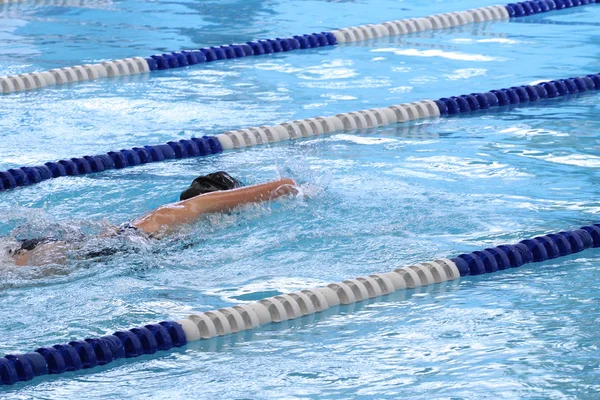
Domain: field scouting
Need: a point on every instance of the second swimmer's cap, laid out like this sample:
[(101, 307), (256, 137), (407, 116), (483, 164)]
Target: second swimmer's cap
[(210, 183)]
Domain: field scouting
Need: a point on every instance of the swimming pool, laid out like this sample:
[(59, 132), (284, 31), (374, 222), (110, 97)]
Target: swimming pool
[(392, 197)]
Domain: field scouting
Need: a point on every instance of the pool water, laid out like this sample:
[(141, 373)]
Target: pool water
[(370, 202)]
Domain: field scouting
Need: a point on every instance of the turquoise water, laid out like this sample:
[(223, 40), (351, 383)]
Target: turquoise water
[(371, 202)]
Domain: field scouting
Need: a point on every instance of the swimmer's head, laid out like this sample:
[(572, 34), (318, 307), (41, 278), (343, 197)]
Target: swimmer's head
[(210, 183)]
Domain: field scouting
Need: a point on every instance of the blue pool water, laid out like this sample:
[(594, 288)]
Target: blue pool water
[(372, 202)]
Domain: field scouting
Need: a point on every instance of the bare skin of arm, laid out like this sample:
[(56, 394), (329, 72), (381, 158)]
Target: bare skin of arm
[(169, 216)]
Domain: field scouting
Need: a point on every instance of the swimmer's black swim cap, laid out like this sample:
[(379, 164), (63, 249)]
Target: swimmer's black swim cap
[(210, 183)]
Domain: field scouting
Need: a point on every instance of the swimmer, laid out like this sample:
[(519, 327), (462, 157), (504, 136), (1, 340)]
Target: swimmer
[(213, 193)]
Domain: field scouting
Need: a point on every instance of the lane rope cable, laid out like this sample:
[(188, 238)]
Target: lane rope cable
[(360, 121), (179, 59), (151, 338)]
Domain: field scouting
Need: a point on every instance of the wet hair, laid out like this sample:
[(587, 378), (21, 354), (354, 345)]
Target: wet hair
[(214, 182)]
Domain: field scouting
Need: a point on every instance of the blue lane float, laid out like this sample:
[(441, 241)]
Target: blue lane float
[(527, 8), (150, 339), (360, 120), (260, 47), (187, 58), (91, 352), (25, 176), (517, 95)]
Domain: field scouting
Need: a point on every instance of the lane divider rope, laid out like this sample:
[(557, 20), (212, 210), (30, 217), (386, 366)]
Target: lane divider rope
[(361, 121), (194, 147), (140, 65), (88, 353)]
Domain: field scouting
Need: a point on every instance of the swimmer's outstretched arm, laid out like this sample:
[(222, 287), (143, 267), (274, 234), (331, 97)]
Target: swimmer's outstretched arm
[(183, 212)]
